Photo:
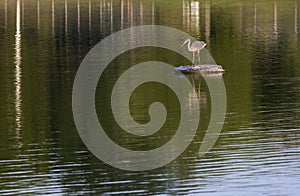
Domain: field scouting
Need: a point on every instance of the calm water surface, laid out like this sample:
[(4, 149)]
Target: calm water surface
[(42, 44)]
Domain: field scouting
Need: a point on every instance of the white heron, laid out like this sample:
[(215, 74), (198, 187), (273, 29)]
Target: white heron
[(196, 46)]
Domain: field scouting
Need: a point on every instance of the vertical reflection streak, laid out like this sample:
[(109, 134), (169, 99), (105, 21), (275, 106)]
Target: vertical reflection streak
[(191, 16), (141, 12), (241, 19), (255, 17), (122, 14), (188, 10), (207, 22), (296, 26), (275, 18), (131, 13), (5, 12), (66, 17), (111, 16), (90, 16), (153, 11), (18, 71), (296, 18), (195, 14), (53, 17), (90, 21), (100, 15), (78, 20), (66, 33), (183, 13), (38, 14), (23, 7)]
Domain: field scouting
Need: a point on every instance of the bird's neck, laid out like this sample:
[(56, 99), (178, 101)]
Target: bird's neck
[(189, 44)]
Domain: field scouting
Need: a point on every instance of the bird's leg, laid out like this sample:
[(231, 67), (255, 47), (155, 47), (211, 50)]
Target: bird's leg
[(199, 57), (193, 59)]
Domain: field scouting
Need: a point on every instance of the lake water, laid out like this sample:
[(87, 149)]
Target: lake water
[(42, 44)]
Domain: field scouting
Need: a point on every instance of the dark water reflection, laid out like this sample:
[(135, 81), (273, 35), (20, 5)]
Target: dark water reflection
[(43, 42)]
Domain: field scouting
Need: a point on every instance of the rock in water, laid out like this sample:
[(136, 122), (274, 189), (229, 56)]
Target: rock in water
[(188, 69)]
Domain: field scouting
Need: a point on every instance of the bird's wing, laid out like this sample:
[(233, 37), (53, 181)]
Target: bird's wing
[(198, 45)]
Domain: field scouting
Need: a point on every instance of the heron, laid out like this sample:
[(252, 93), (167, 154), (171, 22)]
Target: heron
[(196, 46)]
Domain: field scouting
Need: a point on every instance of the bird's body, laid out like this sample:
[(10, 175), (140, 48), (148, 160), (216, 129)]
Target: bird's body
[(196, 46)]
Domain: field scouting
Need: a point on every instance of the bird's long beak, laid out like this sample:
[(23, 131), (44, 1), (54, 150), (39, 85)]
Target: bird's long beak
[(186, 41)]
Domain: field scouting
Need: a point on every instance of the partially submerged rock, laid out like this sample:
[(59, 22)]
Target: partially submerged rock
[(188, 69)]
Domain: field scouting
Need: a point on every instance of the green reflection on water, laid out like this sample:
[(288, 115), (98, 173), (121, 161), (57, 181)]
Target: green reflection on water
[(256, 42)]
